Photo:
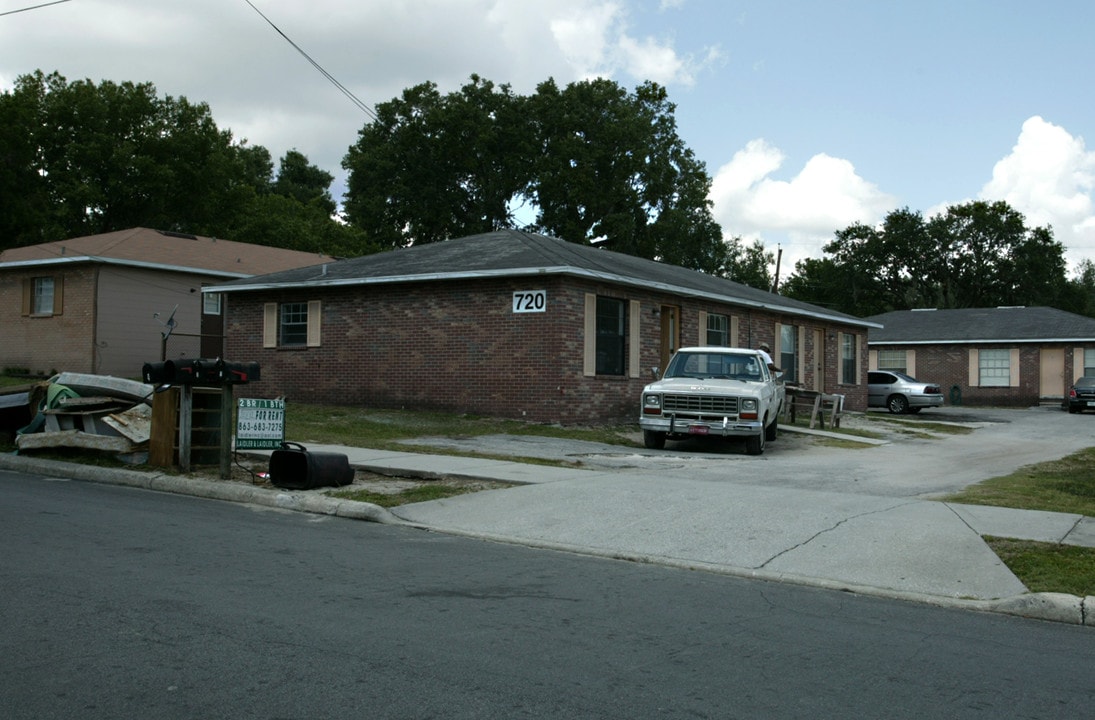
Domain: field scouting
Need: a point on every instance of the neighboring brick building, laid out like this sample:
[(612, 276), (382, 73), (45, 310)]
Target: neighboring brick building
[(988, 356), (519, 325), (99, 304)]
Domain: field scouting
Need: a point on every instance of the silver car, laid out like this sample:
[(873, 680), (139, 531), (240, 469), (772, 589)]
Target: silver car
[(901, 393)]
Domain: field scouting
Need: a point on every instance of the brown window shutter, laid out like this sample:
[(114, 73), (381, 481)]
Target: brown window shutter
[(27, 285), (313, 323), (634, 338), (270, 325), (589, 354), (58, 294)]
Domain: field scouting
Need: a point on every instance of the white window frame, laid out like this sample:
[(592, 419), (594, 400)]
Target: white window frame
[(787, 359), (1089, 361), (42, 293), (211, 303), (886, 360), (994, 367), (718, 326), (846, 377)]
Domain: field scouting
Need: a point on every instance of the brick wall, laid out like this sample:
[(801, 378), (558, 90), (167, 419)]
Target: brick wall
[(458, 347), (949, 366)]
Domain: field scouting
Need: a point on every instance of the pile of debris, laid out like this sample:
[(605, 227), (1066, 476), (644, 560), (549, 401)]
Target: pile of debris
[(76, 410)]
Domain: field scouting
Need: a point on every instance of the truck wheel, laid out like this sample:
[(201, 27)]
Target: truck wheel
[(771, 431), (653, 439), (754, 445)]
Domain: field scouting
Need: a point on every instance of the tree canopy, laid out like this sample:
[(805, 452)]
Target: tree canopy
[(589, 163), (81, 159), (978, 254)]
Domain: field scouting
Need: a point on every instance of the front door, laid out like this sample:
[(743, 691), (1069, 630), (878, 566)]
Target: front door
[(671, 333), (1052, 374)]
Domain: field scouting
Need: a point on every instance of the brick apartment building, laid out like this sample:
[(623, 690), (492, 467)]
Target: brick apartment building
[(517, 325), (1008, 356)]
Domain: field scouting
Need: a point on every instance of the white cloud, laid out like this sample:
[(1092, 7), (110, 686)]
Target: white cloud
[(825, 196), (595, 40), (583, 35), (1049, 176)]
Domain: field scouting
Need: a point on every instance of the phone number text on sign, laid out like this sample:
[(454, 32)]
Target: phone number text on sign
[(528, 301), (260, 423)]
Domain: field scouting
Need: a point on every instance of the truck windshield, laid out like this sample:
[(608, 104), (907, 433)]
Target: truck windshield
[(715, 365)]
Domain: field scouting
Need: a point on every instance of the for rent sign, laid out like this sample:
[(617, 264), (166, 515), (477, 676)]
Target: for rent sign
[(260, 424)]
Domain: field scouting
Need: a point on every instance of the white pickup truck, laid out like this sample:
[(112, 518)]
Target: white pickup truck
[(727, 392)]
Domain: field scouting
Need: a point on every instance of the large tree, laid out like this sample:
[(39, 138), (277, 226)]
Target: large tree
[(434, 166), (590, 163), (111, 156), (82, 158), (978, 254)]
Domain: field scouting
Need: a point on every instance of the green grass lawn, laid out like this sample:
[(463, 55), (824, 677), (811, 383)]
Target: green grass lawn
[(384, 429), (1066, 485)]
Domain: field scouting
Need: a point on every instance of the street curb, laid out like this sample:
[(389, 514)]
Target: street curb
[(1055, 607), (198, 487)]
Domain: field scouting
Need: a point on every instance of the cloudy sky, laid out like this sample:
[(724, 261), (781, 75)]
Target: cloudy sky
[(809, 115)]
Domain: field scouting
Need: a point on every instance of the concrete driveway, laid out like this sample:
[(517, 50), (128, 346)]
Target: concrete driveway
[(852, 518), (914, 461)]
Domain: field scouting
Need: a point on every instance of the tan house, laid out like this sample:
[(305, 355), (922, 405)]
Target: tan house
[(520, 325), (103, 304)]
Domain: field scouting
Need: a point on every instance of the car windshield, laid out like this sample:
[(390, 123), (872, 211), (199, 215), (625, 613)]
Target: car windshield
[(715, 365), (1085, 382)]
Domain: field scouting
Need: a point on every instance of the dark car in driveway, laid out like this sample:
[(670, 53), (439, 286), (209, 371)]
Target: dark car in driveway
[(1081, 396), (901, 393)]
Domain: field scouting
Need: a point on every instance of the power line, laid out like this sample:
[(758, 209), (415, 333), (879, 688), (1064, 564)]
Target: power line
[(33, 7), (342, 88)]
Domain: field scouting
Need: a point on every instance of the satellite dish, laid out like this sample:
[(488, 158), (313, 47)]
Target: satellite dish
[(169, 325)]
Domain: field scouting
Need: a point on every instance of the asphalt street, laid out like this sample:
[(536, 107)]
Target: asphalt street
[(859, 519)]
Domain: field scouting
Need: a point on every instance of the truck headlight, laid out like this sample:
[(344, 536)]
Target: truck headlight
[(749, 404), (652, 404)]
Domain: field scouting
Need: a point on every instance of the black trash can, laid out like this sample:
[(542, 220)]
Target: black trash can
[(294, 467)]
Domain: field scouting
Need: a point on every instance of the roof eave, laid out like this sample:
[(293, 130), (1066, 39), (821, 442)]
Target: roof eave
[(538, 271), (75, 259), (982, 341)]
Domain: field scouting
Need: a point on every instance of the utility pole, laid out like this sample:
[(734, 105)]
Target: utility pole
[(779, 257)]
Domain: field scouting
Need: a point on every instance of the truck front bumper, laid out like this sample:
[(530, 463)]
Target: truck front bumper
[(674, 426)]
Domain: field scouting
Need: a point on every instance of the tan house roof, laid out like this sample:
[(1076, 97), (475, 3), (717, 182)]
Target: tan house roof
[(165, 251)]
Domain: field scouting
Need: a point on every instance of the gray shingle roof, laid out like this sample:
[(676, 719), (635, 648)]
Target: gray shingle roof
[(512, 253), (973, 325)]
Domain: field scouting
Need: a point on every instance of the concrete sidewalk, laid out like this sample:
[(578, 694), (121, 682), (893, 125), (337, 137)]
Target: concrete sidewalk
[(896, 547)]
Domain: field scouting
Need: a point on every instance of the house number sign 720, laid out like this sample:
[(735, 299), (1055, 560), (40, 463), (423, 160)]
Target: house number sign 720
[(526, 301)]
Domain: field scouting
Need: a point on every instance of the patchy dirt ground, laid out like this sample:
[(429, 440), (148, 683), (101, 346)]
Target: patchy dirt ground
[(256, 472)]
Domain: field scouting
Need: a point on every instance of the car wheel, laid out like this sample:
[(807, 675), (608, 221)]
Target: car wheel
[(771, 431), (897, 404), (653, 439), (1072, 409), (754, 444)]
